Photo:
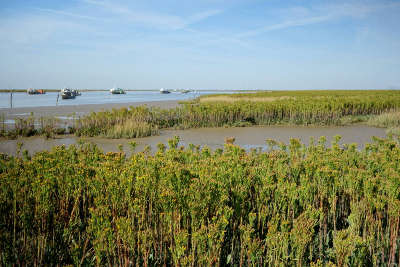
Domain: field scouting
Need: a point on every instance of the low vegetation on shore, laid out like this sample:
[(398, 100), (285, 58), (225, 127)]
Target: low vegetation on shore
[(390, 120), (264, 108), (292, 205), (374, 107), (30, 126)]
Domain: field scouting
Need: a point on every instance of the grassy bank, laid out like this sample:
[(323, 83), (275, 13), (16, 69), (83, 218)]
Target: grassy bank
[(263, 108), (293, 205), (390, 120)]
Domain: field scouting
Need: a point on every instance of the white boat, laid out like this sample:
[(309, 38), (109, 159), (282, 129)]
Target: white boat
[(67, 93), (117, 91), (164, 91)]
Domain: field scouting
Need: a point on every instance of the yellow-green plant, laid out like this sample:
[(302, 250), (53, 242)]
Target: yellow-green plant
[(292, 205)]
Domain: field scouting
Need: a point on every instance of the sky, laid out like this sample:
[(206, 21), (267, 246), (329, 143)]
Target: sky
[(202, 44)]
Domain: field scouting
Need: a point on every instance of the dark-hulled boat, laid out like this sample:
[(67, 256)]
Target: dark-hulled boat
[(67, 93), (164, 91)]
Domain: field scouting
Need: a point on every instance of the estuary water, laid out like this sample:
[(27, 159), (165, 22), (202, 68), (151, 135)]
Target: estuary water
[(22, 99), (248, 138)]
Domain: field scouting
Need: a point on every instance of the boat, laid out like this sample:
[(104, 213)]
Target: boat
[(33, 91), (76, 92), (164, 91), (67, 93), (117, 91), (185, 91)]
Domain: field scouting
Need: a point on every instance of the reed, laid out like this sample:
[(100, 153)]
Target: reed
[(132, 129), (48, 126), (388, 119), (2, 125), (232, 98), (25, 127), (292, 205)]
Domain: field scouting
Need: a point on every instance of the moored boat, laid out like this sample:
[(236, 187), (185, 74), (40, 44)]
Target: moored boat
[(67, 93), (117, 91), (33, 91), (164, 91), (76, 92)]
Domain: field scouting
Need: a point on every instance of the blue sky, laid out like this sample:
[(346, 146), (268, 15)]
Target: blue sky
[(203, 44)]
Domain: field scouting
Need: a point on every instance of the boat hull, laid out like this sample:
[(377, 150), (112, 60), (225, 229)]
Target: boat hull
[(36, 92), (67, 96)]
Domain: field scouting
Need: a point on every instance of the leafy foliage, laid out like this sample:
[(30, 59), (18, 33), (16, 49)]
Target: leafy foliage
[(292, 205)]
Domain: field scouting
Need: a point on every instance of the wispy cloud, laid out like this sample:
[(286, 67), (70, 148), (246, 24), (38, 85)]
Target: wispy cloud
[(157, 20), (319, 14), (285, 24), (205, 39), (64, 13), (31, 30), (202, 16)]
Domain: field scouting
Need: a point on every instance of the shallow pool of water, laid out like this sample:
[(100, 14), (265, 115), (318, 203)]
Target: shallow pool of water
[(248, 138)]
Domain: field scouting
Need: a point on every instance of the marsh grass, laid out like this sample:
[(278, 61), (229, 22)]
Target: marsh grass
[(48, 126), (2, 125), (232, 99), (132, 129), (349, 120), (287, 108), (25, 127), (388, 119)]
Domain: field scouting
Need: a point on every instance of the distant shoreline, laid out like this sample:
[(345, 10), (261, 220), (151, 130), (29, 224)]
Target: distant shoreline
[(81, 90), (129, 90)]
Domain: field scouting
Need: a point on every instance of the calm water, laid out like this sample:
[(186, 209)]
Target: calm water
[(248, 138), (96, 97)]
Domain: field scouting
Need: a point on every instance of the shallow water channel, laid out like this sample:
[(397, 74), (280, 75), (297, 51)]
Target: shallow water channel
[(248, 138)]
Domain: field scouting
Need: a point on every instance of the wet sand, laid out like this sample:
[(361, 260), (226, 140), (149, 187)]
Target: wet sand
[(248, 138), (64, 111)]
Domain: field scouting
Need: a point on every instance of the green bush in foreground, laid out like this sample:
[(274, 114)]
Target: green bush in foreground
[(292, 205)]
